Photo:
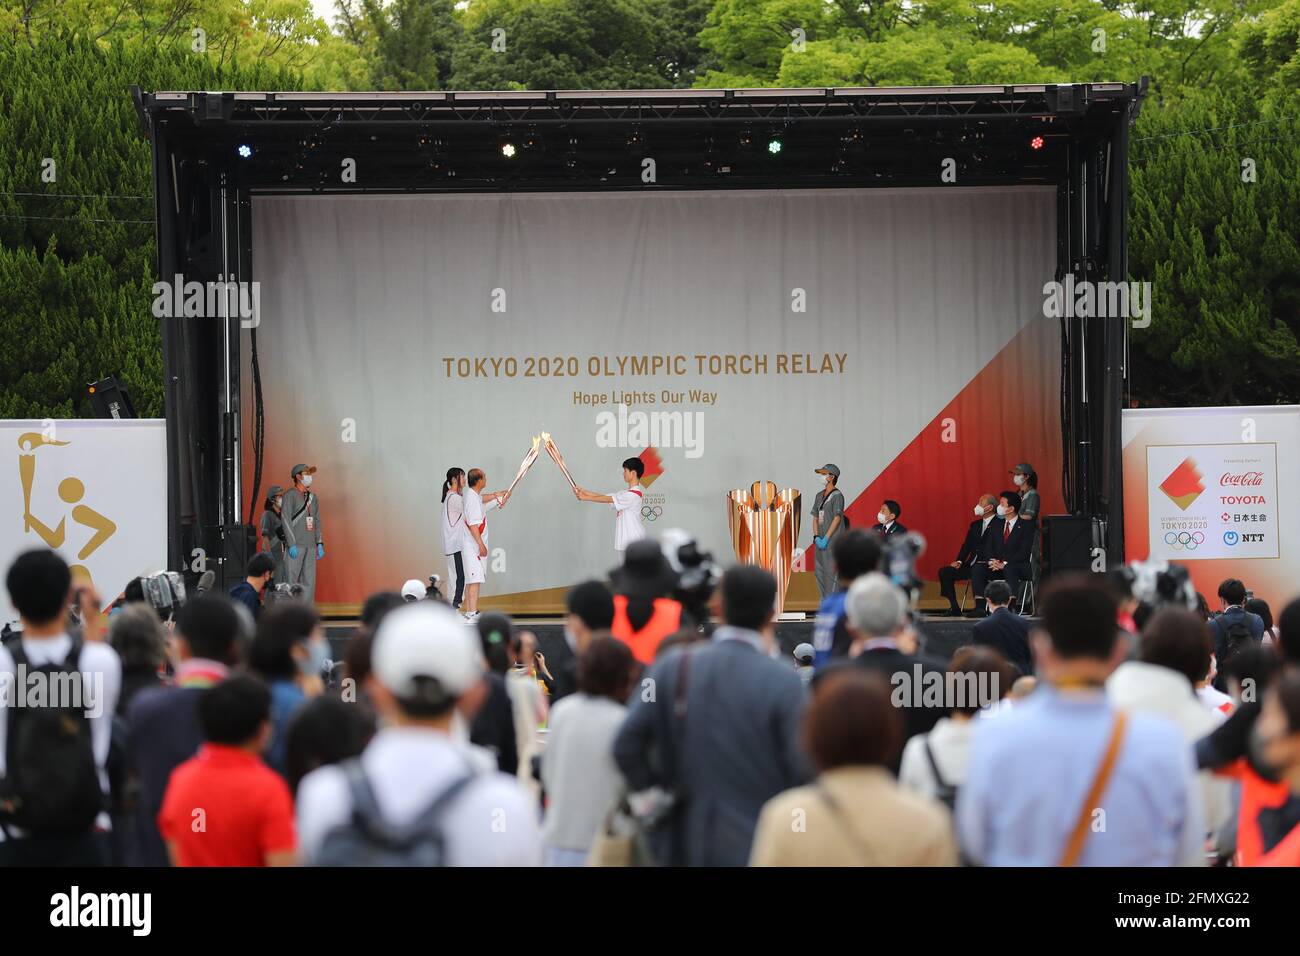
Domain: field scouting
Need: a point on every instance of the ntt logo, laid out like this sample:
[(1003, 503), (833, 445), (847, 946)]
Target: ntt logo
[(1230, 537)]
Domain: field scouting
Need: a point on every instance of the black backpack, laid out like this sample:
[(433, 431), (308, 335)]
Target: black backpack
[(1235, 636), (367, 839), (51, 784)]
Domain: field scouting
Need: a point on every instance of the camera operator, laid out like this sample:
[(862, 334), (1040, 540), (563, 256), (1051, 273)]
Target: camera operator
[(644, 614)]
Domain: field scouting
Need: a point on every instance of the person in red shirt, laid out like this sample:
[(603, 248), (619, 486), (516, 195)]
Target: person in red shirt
[(224, 806)]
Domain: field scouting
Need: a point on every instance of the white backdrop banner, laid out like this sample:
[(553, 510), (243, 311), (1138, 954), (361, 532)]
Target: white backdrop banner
[(724, 336), (93, 490)]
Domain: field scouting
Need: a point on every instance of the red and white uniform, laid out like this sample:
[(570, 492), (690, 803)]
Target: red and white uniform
[(475, 516), (628, 526)]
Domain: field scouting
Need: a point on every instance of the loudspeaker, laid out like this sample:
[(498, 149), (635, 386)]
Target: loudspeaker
[(1067, 544), (227, 552)]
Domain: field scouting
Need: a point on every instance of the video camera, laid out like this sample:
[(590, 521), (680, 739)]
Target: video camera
[(697, 573), (285, 592), (164, 592), (898, 560), (1156, 584)]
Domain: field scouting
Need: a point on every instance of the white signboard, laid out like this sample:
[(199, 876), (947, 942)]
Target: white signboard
[(93, 490), (1213, 501)]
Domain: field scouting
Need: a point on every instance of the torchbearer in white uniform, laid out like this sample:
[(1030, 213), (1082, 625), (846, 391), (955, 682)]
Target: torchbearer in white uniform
[(628, 526), (453, 531), (477, 504)]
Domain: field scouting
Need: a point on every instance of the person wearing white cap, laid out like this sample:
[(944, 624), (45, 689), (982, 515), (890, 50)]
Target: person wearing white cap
[(414, 590), (418, 775)]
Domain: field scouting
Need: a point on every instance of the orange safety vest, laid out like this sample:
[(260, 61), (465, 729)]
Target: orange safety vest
[(665, 619), (1257, 794)]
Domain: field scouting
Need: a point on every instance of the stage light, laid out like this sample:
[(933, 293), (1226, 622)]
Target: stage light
[(244, 150), (636, 139), (508, 150), (746, 138), (774, 145), (1036, 143), (533, 140)]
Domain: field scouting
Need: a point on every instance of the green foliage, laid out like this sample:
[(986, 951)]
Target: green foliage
[(77, 255), (1222, 254), (413, 43), (558, 45)]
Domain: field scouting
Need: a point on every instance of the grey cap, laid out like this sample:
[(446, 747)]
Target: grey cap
[(300, 468), (1024, 468), (803, 653), (833, 470)]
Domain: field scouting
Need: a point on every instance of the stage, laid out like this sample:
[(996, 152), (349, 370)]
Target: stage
[(659, 244), (942, 636)]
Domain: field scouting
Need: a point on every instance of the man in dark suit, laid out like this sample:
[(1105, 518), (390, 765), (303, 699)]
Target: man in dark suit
[(975, 548), (1004, 631), (1013, 543), (887, 519), (883, 641), (720, 731)]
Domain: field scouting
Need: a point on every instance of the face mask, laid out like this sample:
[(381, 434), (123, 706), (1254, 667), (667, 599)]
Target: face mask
[(1004, 511), (1019, 480), (979, 511), (279, 502), (882, 518), (306, 481)]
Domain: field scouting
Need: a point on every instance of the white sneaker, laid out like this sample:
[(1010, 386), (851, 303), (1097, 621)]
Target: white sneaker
[(470, 617)]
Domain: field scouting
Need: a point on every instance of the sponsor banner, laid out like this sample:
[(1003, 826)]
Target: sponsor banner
[(1213, 501), (93, 490), (1201, 489)]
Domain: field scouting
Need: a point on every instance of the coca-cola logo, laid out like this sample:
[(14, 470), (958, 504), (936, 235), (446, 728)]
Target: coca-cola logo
[(1248, 479)]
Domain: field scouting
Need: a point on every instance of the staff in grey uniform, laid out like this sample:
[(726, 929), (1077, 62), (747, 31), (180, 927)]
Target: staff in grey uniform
[(1026, 482), (828, 522), (273, 536), (300, 511)]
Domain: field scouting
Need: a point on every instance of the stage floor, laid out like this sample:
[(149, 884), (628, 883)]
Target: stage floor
[(941, 635)]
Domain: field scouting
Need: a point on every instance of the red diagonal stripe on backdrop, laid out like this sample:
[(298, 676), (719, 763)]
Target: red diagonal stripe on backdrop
[(1008, 413)]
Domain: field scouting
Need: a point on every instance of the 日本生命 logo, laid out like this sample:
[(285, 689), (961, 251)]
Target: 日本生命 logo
[(1184, 485)]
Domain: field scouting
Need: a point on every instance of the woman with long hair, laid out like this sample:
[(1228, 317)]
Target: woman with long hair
[(453, 531)]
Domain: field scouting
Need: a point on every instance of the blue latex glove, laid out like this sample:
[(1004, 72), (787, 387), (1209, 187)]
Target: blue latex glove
[(293, 551), (820, 542), (320, 551)]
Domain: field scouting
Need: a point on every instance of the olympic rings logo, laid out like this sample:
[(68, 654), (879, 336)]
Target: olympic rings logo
[(1183, 540), (650, 514)]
